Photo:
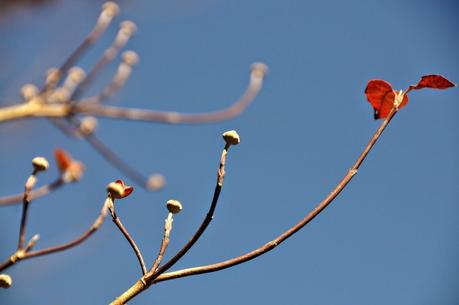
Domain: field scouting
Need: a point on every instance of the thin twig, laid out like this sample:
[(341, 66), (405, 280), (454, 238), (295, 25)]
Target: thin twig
[(114, 159), (164, 243), (109, 11), (126, 30), (29, 254), (34, 194), (25, 208), (131, 241), (142, 284)]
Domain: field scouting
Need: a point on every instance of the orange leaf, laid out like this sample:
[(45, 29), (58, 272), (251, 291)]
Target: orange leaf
[(63, 159), (381, 96), (434, 81)]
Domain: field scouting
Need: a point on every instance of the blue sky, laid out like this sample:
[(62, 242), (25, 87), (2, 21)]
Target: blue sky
[(389, 238)]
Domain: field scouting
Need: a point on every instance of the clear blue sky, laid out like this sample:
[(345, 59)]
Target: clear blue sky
[(390, 238)]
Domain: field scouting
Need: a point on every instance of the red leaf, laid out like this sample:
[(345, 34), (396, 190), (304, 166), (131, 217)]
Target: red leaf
[(434, 81), (63, 159), (381, 96)]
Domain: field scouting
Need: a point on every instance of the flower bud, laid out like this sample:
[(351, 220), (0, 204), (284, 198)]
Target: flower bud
[(259, 69), (5, 281), (128, 27), (155, 182), (40, 164), (118, 190), (29, 91), (77, 74), (87, 125), (130, 57), (231, 137), (111, 8), (174, 206)]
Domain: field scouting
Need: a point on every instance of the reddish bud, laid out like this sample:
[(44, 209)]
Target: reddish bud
[(119, 190)]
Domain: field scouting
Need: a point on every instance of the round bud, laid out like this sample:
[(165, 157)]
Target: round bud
[(111, 8), (128, 27), (130, 57), (5, 281), (174, 206), (28, 91), (88, 124), (77, 74), (231, 137), (156, 182), (259, 69), (40, 164)]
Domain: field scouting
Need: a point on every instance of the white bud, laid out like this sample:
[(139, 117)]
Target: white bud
[(174, 206), (231, 137), (40, 164), (5, 281)]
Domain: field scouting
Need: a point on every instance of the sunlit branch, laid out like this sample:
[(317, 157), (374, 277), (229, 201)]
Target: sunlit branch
[(257, 75)]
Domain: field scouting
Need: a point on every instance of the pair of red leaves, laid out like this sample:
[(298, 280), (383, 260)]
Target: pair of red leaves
[(382, 96)]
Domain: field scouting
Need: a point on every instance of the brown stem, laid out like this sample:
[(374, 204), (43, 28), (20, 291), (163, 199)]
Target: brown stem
[(141, 284), (21, 255), (128, 237), (34, 194)]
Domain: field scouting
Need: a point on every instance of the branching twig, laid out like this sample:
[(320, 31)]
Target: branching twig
[(34, 194), (144, 282), (231, 138), (27, 253)]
